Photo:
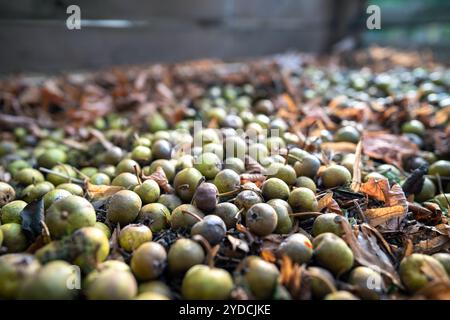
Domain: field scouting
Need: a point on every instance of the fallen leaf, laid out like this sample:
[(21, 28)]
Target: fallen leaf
[(315, 114), (36, 245), (214, 123), (408, 248), (253, 166), (32, 217), (238, 244), (375, 188), (436, 290), (432, 245), (442, 115), (268, 256), (291, 276), (159, 176), (367, 250), (255, 178), (286, 269), (327, 201), (433, 273), (378, 216), (241, 228), (101, 191), (414, 183), (290, 104), (115, 252), (388, 147), (428, 213), (443, 229), (396, 197), (346, 147)]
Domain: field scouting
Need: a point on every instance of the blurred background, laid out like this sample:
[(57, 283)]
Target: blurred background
[(34, 36)]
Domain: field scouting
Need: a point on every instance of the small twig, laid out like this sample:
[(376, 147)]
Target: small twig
[(75, 180), (136, 173), (196, 216), (101, 137), (230, 193), (238, 213), (211, 251), (360, 212)]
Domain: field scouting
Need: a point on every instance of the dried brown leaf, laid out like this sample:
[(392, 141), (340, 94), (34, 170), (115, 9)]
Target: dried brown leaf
[(375, 188), (328, 202), (408, 248), (345, 147), (287, 269), (253, 166), (432, 245), (238, 244), (378, 216), (255, 178), (388, 147), (268, 256), (101, 191), (431, 272), (436, 290), (442, 116), (396, 197), (159, 176), (367, 250), (428, 213)]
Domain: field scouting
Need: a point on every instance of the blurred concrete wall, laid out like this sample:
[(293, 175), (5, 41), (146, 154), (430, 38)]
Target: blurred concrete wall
[(34, 37)]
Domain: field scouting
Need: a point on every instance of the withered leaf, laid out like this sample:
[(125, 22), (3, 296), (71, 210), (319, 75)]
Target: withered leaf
[(432, 245), (346, 147), (36, 245), (328, 202), (378, 216), (436, 290), (433, 273), (324, 201), (268, 256), (159, 176), (375, 188), (442, 115), (286, 269), (101, 191), (241, 228), (443, 229), (367, 250), (394, 198), (253, 166), (32, 217), (291, 275), (238, 244), (408, 248), (414, 182), (388, 147), (115, 252), (429, 213), (256, 178)]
